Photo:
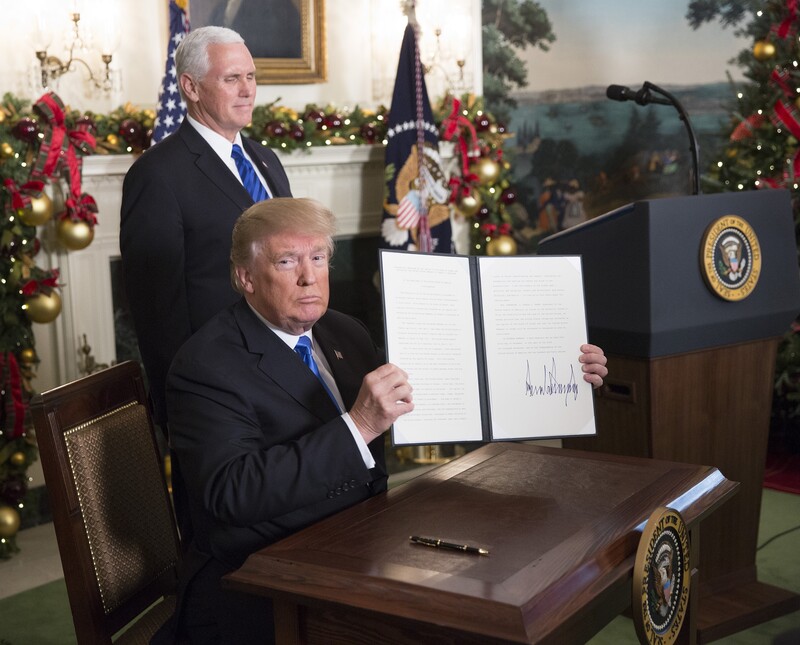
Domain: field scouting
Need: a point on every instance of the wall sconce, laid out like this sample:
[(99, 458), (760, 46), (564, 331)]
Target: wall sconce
[(52, 67), (441, 58), (445, 54), (445, 37)]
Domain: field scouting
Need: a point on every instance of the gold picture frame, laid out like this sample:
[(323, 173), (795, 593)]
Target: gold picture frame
[(285, 37)]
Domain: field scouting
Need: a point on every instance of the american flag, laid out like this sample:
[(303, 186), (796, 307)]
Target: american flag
[(416, 210), (171, 108)]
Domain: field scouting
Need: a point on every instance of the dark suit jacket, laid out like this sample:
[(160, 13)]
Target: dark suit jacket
[(179, 204), (263, 450)]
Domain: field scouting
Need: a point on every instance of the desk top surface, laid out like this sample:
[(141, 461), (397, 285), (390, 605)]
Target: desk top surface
[(562, 528)]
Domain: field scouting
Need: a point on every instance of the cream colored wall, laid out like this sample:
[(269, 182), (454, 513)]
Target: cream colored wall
[(363, 43)]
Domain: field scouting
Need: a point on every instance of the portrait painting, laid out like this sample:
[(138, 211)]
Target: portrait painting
[(285, 37)]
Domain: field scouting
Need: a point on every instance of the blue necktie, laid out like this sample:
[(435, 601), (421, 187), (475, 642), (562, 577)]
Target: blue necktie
[(248, 174), (303, 348)]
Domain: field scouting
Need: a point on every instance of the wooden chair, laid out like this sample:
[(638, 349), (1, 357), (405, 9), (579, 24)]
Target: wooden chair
[(112, 514)]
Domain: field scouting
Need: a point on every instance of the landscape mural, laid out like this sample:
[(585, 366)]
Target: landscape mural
[(574, 153)]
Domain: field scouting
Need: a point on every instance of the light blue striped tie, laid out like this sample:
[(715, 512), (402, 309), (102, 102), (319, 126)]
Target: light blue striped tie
[(248, 174), (303, 348)]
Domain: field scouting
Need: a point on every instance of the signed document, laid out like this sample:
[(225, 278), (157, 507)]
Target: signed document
[(491, 346)]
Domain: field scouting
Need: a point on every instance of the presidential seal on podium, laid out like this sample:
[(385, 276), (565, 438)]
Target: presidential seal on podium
[(661, 577), (731, 258)]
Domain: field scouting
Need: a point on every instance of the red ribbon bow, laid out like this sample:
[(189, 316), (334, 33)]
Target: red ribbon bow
[(34, 286), (781, 78), (15, 408), (62, 146), (784, 114), (21, 195), (786, 26), (461, 186), (82, 208)]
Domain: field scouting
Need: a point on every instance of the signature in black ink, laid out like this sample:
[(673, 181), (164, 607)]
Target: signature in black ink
[(550, 384)]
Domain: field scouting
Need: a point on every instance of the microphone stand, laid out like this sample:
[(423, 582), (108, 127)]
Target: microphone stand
[(643, 97)]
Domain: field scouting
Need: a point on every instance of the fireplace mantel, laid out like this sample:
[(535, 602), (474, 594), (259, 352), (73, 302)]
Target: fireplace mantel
[(348, 179)]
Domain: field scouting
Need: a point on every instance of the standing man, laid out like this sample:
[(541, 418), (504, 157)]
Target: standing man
[(272, 436), (180, 201)]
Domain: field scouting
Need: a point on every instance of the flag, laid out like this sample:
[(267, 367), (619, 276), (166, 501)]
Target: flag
[(416, 211), (171, 107)]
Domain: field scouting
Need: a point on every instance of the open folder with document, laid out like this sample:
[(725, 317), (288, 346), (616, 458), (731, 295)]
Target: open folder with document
[(490, 344)]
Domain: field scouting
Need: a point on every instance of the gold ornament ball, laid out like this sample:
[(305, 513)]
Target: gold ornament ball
[(40, 212), (18, 458), (469, 204), (763, 50), (74, 235), (9, 522), (27, 356), (5, 148), (501, 245), (487, 170), (43, 307), (2, 115), (113, 139)]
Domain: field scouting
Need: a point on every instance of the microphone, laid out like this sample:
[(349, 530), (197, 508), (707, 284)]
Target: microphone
[(642, 97)]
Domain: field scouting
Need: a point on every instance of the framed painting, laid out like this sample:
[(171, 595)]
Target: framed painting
[(285, 37)]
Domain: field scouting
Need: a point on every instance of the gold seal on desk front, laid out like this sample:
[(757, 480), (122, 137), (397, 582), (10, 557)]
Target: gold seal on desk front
[(731, 258), (661, 578)]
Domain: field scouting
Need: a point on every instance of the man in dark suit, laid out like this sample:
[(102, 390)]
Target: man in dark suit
[(180, 200), (268, 447)]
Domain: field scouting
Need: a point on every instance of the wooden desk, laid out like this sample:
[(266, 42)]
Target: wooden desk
[(562, 527)]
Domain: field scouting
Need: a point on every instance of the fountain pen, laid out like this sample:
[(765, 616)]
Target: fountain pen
[(436, 543)]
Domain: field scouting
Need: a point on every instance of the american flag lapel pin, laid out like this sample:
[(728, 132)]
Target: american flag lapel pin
[(338, 354)]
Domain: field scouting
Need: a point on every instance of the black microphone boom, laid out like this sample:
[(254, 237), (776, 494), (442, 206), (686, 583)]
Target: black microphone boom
[(643, 97)]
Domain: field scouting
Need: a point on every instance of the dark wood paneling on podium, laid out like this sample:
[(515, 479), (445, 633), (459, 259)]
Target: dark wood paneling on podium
[(706, 407), (562, 527)]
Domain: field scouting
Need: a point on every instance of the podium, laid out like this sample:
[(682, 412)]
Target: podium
[(562, 528), (691, 370)]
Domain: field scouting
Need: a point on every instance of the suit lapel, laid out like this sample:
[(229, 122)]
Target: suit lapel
[(339, 361), (282, 366), (212, 167)]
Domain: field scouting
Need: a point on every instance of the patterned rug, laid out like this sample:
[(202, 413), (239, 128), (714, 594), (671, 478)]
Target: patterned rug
[(782, 472)]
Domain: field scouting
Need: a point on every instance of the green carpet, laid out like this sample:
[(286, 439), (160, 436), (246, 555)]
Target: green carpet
[(41, 616)]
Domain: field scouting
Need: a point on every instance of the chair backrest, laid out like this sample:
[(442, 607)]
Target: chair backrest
[(111, 510)]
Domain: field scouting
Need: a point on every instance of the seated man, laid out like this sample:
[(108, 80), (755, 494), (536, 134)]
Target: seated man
[(273, 437), (265, 446)]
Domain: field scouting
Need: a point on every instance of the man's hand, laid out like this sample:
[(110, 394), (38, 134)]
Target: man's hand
[(384, 396), (594, 364)]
